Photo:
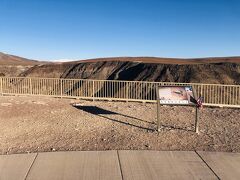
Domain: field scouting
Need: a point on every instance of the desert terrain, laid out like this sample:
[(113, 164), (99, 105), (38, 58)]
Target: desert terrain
[(11, 65), (39, 124), (221, 70)]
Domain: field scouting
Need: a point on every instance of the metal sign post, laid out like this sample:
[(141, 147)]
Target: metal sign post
[(176, 95), (158, 106), (196, 121)]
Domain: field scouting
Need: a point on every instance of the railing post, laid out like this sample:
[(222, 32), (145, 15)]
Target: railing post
[(127, 93), (30, 84), (1, 84), (61, 88), (155, 90), (93, 90)]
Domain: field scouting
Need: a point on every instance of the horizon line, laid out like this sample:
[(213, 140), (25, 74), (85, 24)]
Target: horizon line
[(109, 57)]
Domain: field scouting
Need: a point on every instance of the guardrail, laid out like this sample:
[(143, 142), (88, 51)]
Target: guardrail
[(142, 91)]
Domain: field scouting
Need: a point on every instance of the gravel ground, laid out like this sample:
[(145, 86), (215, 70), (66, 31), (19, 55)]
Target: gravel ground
[(37, 124)]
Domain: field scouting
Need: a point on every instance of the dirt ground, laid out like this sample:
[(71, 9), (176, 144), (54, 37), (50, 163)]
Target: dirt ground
[(37, 124)]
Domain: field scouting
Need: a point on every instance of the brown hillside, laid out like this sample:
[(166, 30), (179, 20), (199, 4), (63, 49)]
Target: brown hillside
[(224, 70), (166, 60), (13, 65), (6, 59), (214, 70)]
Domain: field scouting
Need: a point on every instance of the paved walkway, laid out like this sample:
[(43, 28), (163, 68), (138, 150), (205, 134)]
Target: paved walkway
[(117, 165)]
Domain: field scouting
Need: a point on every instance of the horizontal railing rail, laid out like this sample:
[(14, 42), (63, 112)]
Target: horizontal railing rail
[(142, 91)]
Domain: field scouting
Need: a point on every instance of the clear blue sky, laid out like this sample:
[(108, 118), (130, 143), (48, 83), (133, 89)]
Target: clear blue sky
[(79, 29)]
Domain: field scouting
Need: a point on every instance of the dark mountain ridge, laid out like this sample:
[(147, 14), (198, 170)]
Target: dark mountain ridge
[(224, 73), (224, 70)]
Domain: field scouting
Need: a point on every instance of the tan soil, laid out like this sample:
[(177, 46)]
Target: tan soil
[(36, 124)]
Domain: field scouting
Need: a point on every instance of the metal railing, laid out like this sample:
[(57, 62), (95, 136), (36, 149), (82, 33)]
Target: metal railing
[(142, 91)]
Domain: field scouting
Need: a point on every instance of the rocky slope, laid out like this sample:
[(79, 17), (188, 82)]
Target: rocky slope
[(220, 72), (13, 65), (7, 59), (202, 70)]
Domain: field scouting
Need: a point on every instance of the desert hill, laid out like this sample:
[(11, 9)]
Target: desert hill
[(7, 59), (224, 70), (159, 60), (205, 70), (11, 65)]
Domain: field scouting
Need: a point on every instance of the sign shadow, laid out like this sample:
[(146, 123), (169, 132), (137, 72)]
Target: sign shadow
[(102, 112)]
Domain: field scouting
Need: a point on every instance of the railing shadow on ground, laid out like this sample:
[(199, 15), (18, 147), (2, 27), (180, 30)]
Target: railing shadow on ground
[(101, 112)]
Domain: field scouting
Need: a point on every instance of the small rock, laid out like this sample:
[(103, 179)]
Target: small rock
[(6, 104), (40, 103)]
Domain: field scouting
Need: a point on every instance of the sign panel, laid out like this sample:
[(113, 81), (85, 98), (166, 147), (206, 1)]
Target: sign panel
[(176, 95)]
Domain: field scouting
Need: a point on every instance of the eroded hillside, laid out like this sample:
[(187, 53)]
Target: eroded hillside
[(14, 65), (224, 73), (203, 70)]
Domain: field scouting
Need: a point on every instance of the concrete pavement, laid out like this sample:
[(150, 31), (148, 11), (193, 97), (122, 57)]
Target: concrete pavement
[(127, 165)]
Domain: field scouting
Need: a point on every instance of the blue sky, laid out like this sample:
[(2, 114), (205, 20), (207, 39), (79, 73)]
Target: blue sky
[(80, 29)]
